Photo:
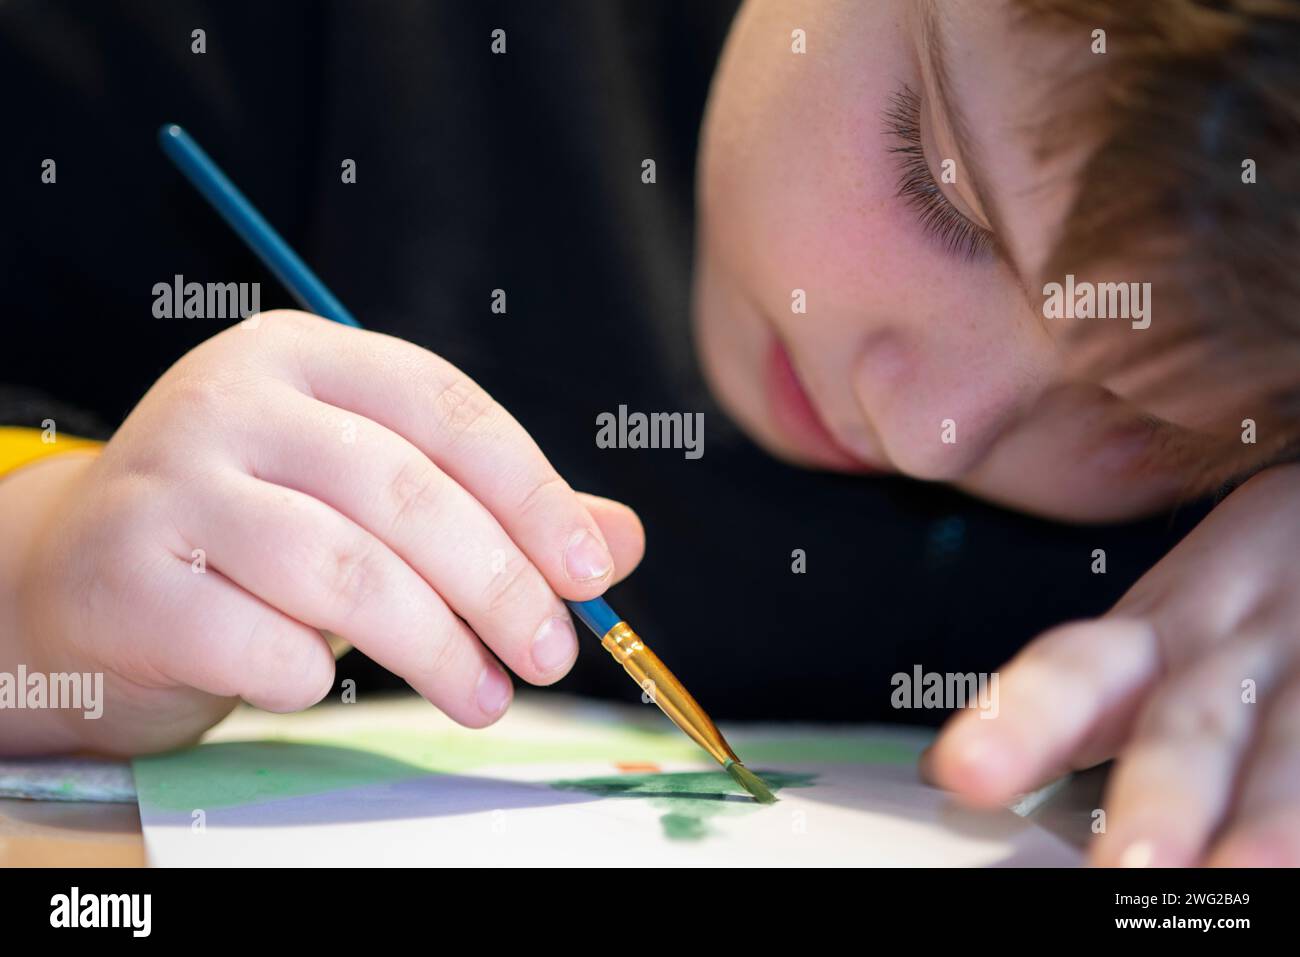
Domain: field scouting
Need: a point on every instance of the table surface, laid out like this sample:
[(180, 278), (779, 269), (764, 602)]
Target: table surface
[(69, 834), (83, 834)]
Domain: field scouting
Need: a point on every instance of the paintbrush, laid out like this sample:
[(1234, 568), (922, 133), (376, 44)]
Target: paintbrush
[(643, 665), (662, 687)]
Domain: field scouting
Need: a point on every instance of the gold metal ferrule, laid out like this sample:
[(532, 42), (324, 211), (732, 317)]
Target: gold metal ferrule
[(661, 686)]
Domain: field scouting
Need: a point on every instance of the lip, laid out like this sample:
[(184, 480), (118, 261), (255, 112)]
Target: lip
[(796, 418)]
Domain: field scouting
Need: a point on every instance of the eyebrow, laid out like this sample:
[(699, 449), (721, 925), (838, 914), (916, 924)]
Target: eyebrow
[(932, 43)]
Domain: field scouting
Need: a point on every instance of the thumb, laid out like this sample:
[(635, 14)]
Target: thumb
[(622, 530)]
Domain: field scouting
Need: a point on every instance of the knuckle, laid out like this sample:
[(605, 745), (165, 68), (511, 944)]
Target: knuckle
[(415, 491), (445, 652), (202, 397), (508, 585), (540, 493), (353, 579), (462, 407), (206, 399), (1193, 708), (146, 457), (291, 322), (266, 344)]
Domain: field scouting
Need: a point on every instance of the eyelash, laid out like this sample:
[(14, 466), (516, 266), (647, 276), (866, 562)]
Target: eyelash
[(917, 187)]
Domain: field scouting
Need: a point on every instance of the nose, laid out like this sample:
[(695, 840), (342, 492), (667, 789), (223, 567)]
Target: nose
[(939, 404)]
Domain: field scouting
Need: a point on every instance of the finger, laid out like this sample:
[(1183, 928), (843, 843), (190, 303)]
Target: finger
[(390, 488), (1063, 700), (466, 433), (1265, 827), (1173, 783), (206, 632), (622, 529), (319, 567)]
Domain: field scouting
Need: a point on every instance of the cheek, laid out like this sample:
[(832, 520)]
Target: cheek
[(796, 186), (798, 193)]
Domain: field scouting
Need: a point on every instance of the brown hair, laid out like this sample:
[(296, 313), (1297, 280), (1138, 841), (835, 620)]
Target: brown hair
[(1187, 91)]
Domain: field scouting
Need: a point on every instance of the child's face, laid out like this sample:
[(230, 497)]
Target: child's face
[(799, 190)]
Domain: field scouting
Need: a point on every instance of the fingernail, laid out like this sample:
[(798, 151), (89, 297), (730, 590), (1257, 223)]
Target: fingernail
[(555, 644), (586, 559), (493, 691)]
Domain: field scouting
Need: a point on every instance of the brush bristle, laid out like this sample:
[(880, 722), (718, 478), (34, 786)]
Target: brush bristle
[(750, 781)]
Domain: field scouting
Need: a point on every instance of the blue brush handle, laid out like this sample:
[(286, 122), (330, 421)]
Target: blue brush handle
[(259, 235), (595, 614), (294, 274)]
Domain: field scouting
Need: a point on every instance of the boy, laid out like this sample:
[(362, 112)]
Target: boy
[(926, 348), (879, 221)]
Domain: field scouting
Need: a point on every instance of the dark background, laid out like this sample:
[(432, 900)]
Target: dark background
[(520, 172)]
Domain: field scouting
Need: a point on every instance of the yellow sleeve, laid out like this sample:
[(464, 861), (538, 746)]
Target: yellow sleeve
[(19, 446)]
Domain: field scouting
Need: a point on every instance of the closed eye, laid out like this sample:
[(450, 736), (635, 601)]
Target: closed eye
[(916, 185)]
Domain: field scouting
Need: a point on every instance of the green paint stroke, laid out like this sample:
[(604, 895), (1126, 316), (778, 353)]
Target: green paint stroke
[(229, 774), (687, 798)]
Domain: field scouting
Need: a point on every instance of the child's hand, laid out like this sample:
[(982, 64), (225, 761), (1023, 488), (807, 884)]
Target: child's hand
[(1193, 681), (292, 476)]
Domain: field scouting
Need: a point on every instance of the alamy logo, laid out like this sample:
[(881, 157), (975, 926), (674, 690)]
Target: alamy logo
[(75, 909), (1104, 300), (946, 690), (179, 299), (658, 430), (73, 691)]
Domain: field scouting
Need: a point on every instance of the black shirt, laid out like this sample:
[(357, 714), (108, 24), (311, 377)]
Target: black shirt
[(520, 172)]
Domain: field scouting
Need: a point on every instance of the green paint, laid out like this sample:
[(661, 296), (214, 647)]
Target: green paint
[(687, 798), (453, 751), (683, 827), (227, 774)]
